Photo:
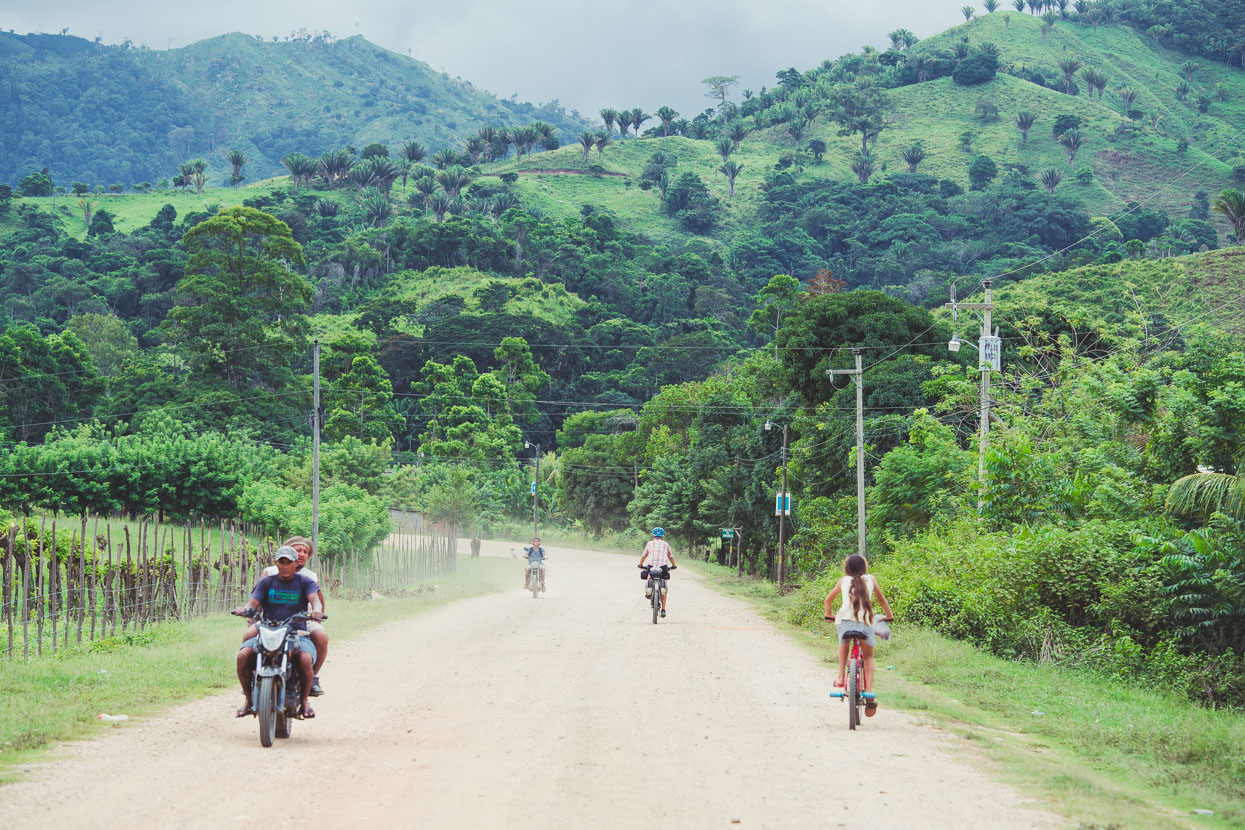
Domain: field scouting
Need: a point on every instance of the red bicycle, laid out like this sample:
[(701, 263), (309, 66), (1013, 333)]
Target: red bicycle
[(854, 693)]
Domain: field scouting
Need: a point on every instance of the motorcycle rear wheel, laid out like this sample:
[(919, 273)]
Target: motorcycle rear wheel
[(266, 708)]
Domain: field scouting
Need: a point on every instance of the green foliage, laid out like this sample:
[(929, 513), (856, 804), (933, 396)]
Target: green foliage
[(976, 69)]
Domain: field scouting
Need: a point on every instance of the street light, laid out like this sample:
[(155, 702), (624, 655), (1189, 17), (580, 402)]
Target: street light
[(953, 345), (535, 486)]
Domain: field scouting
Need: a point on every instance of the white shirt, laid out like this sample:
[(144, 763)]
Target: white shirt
[(271, 570), (847, 612), (658, 553)]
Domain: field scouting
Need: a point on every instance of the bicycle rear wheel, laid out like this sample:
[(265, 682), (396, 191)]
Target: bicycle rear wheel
[(853, 693)]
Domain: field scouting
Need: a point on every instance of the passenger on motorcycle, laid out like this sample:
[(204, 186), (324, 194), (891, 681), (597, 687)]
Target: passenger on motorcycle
[(535, 555), (660, 560), (281, 597), (319, 637)]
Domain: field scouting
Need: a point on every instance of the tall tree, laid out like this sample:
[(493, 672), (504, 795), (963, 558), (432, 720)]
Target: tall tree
[(666, 115), (1231, 203), (730, 169), (1024, 123), (240, 306), (719, 88), (913, 156), (859, 108), (237, 160)]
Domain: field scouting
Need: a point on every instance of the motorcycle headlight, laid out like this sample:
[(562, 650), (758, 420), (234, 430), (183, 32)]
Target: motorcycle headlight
[(271, 639)]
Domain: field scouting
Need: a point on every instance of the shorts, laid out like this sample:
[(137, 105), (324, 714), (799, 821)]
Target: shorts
[(313, 626), (852, 625), (304, 645)]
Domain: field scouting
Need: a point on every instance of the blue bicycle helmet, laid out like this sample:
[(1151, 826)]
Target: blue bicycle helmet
[(659, 532)]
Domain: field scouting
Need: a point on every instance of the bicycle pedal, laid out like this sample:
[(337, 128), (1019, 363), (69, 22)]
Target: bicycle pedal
[(868, 695), (839, 695)]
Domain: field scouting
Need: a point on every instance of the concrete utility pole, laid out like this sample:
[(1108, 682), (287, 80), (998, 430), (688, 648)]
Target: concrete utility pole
[(858, 375), (989, 358), (535, 487), (782, 507), (315, 446)]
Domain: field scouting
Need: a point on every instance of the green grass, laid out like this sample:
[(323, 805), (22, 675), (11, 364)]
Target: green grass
[(57, 697), (1102, 752)]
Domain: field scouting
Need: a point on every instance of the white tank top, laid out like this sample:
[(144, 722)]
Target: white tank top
[(846, 612)]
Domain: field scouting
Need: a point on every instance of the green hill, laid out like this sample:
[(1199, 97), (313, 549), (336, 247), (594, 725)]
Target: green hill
[(114, 114)]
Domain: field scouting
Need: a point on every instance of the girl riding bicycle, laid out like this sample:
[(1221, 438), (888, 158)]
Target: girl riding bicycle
[(856, 615)]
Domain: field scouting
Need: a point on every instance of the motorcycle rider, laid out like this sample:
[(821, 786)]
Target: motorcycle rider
[(535, 555), (660, 560), (319, 637), (281, 597)]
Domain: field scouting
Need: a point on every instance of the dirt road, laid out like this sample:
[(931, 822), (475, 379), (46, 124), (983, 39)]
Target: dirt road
[(572, 710)]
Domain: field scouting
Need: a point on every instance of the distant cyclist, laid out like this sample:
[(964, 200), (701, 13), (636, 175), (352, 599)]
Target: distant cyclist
[(660, 560), (856, 615)]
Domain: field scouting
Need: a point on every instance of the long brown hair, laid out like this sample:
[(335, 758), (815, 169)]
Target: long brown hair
[(855, 567)]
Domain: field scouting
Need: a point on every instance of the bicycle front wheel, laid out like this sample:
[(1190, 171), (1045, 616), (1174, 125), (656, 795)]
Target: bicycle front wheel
[(853, 693)]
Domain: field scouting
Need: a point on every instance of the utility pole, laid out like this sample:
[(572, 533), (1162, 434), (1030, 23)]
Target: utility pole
[(989, 358), (315, 446), (858, 375), (535, 487), (782, 507)]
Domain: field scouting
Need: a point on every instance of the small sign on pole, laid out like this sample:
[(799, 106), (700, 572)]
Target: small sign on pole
[(728, 533), (992, 352), (533, 488), (782, 504)]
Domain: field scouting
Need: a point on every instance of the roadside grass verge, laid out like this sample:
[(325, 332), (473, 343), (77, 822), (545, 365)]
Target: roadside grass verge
[(1103, 752), (58, 697)]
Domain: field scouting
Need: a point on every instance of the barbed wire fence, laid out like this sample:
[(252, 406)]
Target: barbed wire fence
[(66, 582)]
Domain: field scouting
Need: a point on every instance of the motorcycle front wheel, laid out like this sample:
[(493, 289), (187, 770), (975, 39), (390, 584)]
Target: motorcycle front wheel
[(266, 708)]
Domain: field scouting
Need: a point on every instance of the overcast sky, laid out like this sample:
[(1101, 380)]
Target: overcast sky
[(614, 53)]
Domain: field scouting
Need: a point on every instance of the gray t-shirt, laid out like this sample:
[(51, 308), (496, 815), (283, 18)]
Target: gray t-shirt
[(535, 554)]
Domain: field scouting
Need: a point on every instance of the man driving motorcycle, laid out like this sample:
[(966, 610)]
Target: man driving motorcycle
[(315, 630), (535, 555), (281, 597)]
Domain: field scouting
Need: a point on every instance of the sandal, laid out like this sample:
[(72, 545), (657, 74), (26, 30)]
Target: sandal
[(871, 708), (307, 712), (244, 711), (840, 684)]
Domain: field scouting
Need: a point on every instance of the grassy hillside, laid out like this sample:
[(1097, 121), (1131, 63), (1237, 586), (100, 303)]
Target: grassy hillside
[(1123, 160), (105, 114)]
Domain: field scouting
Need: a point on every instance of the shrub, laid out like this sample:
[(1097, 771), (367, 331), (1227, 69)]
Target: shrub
[(976, 69)]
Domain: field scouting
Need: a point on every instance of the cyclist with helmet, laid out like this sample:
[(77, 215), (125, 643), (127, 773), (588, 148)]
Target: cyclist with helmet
[(660, 560)]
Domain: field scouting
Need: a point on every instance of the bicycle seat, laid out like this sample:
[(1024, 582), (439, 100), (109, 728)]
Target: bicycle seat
[(855, 635)]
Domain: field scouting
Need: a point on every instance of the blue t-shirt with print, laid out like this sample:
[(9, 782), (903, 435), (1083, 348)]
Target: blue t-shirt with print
[(283, 598)]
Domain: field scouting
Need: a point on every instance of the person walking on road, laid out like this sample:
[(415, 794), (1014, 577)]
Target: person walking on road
[(475, 546), (660, 560)]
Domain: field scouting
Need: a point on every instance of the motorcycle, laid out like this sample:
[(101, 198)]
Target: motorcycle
[(536, 578), (277, 684)]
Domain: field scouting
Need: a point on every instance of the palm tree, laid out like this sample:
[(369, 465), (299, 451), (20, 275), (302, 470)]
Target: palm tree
[(1183, 89), (736, 132), (990, 6), (896, 38), (1156, 118), (923, 65), (413, 152), (1018, 5), (1127, 96), (1068, 66), (662, 182), (1231, 203), (376, 208), (609, 116), (913, 155), (1188, 68), (666, 115), (488, 135), (501, 144), (442, 203), (503, 202), (796, 128), (380, 173), (725, 147), (1203, 493), (443, 158), (960, 50), (967, 11), (730, 169), (425, 186), (237, 160), (864, 166), (453, 179), (1024, 123), (475, 147), (638, 117), (88, 208), (1095, 79), (587, 141), (195, 172), (1072, 141), (1050, 179), (603, 141)]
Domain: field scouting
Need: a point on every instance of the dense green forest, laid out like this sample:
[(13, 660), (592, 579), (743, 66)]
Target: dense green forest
[(125, 115), (636, 304)]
